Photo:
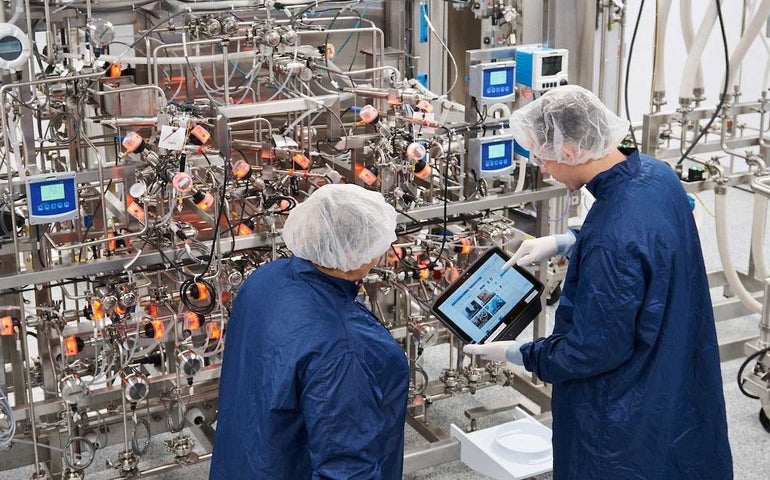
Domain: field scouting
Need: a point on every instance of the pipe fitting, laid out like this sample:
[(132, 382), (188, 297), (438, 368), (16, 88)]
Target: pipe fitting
[(754, 160)]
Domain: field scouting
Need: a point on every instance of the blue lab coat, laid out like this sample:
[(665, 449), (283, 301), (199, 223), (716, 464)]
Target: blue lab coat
[(633, 358), (313, 386)]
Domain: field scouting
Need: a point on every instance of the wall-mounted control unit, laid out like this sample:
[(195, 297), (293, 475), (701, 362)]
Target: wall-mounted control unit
[(491, 156), (493, 82), (542, 68), (52, 197)]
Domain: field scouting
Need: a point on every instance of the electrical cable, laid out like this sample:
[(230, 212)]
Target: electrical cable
[(81, 460), (358, 39), (451, 57), (743, 367), (220, 208), (186, 287), (7, 434), (721, 103), (628, 69), (444, 233), (140, 448), (326, 39), (57, 122)]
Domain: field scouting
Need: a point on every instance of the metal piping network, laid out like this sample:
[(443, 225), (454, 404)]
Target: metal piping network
[(180, 158), (734, 119)]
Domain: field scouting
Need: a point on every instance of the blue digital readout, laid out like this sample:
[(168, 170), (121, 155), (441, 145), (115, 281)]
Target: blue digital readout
[(497, 155), (498, 82), (52, 198)]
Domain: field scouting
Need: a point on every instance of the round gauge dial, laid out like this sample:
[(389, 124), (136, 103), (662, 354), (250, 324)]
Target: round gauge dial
[(101, 32)]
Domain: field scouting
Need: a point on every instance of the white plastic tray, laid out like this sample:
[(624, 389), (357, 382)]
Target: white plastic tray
[(511, 451)]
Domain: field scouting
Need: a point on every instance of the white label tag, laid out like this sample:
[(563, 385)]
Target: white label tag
[(173, 138), (496, 333), (531, 296)]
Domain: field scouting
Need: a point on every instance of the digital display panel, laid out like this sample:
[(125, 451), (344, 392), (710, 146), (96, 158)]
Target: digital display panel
[(498, 77), (53, 191), (551, 65), (496, 151), (10, 48)]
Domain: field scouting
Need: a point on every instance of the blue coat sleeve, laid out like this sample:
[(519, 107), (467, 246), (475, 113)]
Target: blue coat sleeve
[(600, 334), (341, 404)]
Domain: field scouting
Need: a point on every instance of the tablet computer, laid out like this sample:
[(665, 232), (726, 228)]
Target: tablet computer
[(485, 304)]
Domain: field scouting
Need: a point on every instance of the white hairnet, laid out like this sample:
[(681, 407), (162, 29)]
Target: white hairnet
[(341, 226), (568, 115)]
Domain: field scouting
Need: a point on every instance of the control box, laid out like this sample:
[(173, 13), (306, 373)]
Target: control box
[(52, 197), (493, 82), (491, 156), (542, 68)]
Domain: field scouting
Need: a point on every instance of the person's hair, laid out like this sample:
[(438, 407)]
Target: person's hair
[(568, 119), (567, 115)]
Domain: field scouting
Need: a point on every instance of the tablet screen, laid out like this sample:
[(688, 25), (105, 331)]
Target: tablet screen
[(484, 299)]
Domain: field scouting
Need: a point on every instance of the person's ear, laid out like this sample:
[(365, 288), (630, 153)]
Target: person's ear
[(568, 154)]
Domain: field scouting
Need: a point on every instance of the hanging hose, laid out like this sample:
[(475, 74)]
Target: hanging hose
[(664, 7), (720, 203), (685, 18), (753, 29), (695, 53), (757, 236)]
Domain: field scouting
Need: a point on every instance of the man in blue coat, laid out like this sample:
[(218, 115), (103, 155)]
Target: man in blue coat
[(633, 358), (313, 386)]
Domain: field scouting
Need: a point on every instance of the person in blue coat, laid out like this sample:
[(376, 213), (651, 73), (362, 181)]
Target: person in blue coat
[(633, 358), (313, 386)]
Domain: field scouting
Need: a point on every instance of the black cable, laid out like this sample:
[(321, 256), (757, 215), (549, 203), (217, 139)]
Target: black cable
[(326, 39), (191, 285), (131, 7), (724, 89), (407, 216), (160, 252), (39, 241), (628, 69), (446, 198), (232, 237), (310, 5), (355, 48), (220, 209), (743, 366)]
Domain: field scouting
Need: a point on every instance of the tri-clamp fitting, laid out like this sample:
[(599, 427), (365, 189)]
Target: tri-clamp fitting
[(756, 161), (70, 474), (658, 99), (127, 463), (449, 378), (180, 446)]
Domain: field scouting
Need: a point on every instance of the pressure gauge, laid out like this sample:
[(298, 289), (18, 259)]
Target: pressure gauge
[(73, 390), (101, 32), (136, 386), (14, 46), (425, 334), (189, 363)]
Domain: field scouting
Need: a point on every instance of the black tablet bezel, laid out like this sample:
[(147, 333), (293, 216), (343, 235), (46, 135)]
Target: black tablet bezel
[(460, 281)]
